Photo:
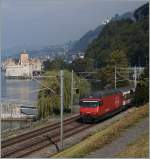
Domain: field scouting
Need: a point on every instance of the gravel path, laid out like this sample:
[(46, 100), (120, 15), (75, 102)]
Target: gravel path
[(110, 150)]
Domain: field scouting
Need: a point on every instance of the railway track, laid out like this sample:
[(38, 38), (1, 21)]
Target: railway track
[(29, 142), (39, 131)]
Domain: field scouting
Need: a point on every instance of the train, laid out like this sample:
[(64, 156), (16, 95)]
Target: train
[(102, 104)]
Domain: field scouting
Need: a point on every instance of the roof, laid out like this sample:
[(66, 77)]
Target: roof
[(126, 89), (107, 92)]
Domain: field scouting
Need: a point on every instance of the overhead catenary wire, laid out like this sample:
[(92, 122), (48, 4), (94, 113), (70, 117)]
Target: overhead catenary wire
[(44, 85)]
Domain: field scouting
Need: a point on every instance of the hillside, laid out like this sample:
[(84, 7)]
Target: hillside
[(125, 16), (82, 44), (126, 35), (86, 39)]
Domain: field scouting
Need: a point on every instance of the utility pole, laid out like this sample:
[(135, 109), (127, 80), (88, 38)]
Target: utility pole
[(139, 61), (146, 60), (135, 77), (115, 77), (61, 112), (72, 89)]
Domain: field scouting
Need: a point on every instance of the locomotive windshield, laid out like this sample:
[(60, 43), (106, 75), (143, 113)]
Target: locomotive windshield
[(90, 103)]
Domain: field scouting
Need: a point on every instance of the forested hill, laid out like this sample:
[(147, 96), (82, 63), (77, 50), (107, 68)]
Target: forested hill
[(86, 39), (130, 37)]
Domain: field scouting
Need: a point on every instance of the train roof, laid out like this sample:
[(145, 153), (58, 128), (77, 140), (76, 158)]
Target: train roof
[(126, 89), (103, 93), (107, 92)]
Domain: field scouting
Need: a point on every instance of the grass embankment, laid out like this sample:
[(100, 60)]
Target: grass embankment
[(137, 149), (105, 136)]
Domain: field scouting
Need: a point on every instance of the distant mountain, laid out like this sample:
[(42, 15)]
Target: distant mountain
[(125, 16), (128, 35), (82, 44), (86, 39), (52, 51), (15, 51), (142, 12), (12, 52)]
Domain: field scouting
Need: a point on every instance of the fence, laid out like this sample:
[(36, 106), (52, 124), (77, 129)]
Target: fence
[(11, 110)]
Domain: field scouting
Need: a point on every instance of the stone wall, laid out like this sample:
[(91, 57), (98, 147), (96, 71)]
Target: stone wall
[(18, 70)]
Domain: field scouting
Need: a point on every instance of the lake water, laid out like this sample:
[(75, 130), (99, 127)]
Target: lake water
[(17, 91)]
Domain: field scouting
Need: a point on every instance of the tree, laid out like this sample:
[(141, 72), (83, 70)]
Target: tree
[(107, 74), (83, 65), (117, 57), (130, 36), (142, 89), (56, 64), (49, 99)]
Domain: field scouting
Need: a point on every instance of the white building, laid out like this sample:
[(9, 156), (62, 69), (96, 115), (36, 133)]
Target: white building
[(18, 70), (105, 21), (24, 68)]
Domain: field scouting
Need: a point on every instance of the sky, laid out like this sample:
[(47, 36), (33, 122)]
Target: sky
[(38, 23)]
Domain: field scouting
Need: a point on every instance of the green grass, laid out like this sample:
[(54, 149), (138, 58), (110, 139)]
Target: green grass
[(105, 136), (137, 149)]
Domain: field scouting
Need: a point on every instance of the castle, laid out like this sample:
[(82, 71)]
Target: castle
[(25, 67)]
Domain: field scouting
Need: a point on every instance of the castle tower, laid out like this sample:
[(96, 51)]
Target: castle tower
[(24, 58)]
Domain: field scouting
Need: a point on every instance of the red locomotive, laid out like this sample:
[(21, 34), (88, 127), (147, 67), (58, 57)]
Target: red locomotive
[(104, 103)]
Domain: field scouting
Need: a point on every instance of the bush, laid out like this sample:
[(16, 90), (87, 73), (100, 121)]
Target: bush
[(142, 89)]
